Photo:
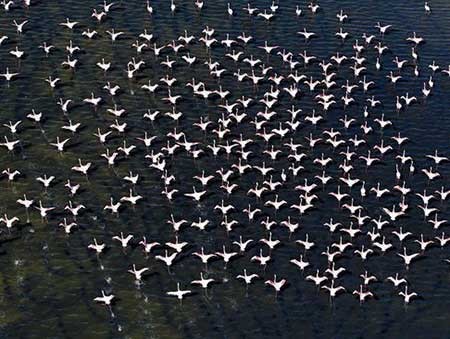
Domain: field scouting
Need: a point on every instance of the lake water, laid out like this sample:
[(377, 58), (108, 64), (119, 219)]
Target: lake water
[(48, 279)]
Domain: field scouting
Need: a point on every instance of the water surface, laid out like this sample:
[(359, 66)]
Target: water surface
[(48, 279)]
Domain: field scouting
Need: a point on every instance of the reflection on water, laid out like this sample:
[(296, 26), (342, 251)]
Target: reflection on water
[(48, 279)]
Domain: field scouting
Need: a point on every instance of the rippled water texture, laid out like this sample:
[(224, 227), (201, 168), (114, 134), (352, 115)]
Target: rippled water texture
[(48, 279)]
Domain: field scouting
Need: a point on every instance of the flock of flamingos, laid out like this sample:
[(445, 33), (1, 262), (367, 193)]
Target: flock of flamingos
[(261, 148)]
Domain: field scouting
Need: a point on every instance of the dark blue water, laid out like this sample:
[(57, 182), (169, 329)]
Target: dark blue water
[(49, 279)]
